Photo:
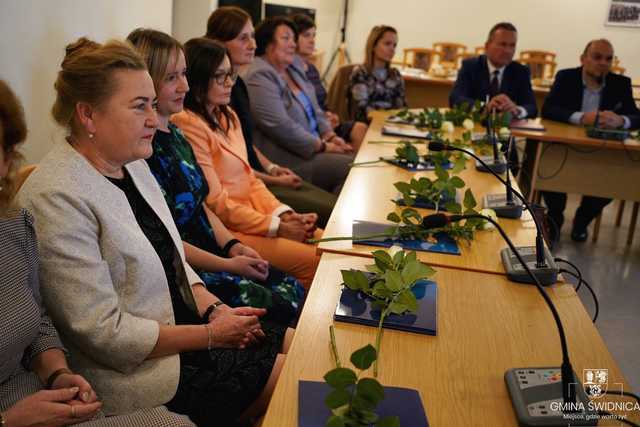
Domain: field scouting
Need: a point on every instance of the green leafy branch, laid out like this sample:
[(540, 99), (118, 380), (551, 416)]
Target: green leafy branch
[(389, 284), (443, 188), (409, 222)]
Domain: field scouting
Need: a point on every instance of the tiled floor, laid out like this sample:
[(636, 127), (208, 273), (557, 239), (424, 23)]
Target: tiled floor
[(613, 271)]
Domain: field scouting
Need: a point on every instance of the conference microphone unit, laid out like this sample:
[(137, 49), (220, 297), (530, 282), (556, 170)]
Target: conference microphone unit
[(504, 205), (539, 259), (493, 163), (542, 396)]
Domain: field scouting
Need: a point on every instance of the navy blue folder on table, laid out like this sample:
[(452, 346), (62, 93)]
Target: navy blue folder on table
[(428, 204), (422, 165), (398, 401), (355, 307), (444, 243)]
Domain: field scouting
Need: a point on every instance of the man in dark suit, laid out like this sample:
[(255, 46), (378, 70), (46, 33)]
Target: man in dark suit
[(576, 97), (506, 83)]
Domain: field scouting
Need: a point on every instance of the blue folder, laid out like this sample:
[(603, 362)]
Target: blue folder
[(355, 307), (444, 243), (398, 401), (428, 204)]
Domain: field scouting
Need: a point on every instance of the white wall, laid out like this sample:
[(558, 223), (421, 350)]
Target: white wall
[(561, 26), (190, 20), (34, 34)]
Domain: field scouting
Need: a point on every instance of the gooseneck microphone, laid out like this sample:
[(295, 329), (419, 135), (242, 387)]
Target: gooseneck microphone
[(504, 205), (544, 266), (492, 163), (520, 389)]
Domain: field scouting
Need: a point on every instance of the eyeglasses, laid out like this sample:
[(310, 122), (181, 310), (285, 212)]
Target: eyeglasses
[(222, 77)]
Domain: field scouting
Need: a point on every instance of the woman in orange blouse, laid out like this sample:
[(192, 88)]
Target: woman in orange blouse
[(238, 198)]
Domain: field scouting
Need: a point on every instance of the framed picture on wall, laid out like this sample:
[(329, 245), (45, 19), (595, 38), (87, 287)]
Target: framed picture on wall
[(623, 13)]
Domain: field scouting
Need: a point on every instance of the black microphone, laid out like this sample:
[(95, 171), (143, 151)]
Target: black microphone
[(496, 165), (439, 220), (571, 388), (546, 269)]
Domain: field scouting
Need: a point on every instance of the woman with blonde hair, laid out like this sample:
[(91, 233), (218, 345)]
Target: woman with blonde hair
[(375, 85), (31, 349), (137, 320), (230, 269)]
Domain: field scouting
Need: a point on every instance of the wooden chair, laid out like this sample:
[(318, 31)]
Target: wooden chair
[(448, 53), (416, 57), (616, 68), (338, 97), (540, 69), (480, 50), (632, 222), (537, 54), (541, 63)]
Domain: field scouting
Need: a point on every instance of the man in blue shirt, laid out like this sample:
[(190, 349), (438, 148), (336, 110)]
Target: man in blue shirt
[(576, 97)]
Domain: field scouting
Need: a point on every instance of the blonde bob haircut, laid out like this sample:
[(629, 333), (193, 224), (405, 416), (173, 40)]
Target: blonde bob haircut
[(157, 49)]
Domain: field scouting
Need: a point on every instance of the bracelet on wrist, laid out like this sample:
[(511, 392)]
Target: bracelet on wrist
[(209, 310), (54, 376), (269, 169), (209, 336), (231, 243)]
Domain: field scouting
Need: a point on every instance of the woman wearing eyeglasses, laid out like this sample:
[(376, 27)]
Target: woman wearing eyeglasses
[(241, 201)]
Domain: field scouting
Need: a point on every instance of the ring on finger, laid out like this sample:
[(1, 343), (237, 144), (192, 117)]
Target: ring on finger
[(73, 411)]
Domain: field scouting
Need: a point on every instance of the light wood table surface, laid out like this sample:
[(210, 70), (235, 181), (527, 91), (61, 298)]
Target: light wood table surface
[(486, 325), (568, 161), (367, 195), (424, 90)]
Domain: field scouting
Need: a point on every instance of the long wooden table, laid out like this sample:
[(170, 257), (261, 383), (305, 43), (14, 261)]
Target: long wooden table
[(367, 195), (567, 160), (486, 325), (425, 90)]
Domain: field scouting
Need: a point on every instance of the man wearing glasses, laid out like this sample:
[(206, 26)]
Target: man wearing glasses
[(579, 96)]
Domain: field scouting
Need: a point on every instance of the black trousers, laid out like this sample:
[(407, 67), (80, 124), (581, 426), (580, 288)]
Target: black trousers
[(590, 207)]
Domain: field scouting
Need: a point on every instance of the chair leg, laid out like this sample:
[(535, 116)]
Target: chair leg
[(596, 228), (632, 224), (620, 213)]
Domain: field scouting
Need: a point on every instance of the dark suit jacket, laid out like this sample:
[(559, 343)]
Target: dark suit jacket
[(473, 84), (565, 97)]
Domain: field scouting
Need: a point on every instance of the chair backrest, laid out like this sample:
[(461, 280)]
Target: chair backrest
[(338, 97), (448, 53), (417, 57), (540, 68), (22, 175), (616, 67), (537, 55), (542, 63)]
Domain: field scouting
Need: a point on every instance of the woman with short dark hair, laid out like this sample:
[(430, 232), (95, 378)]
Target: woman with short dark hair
[(291, 128)]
